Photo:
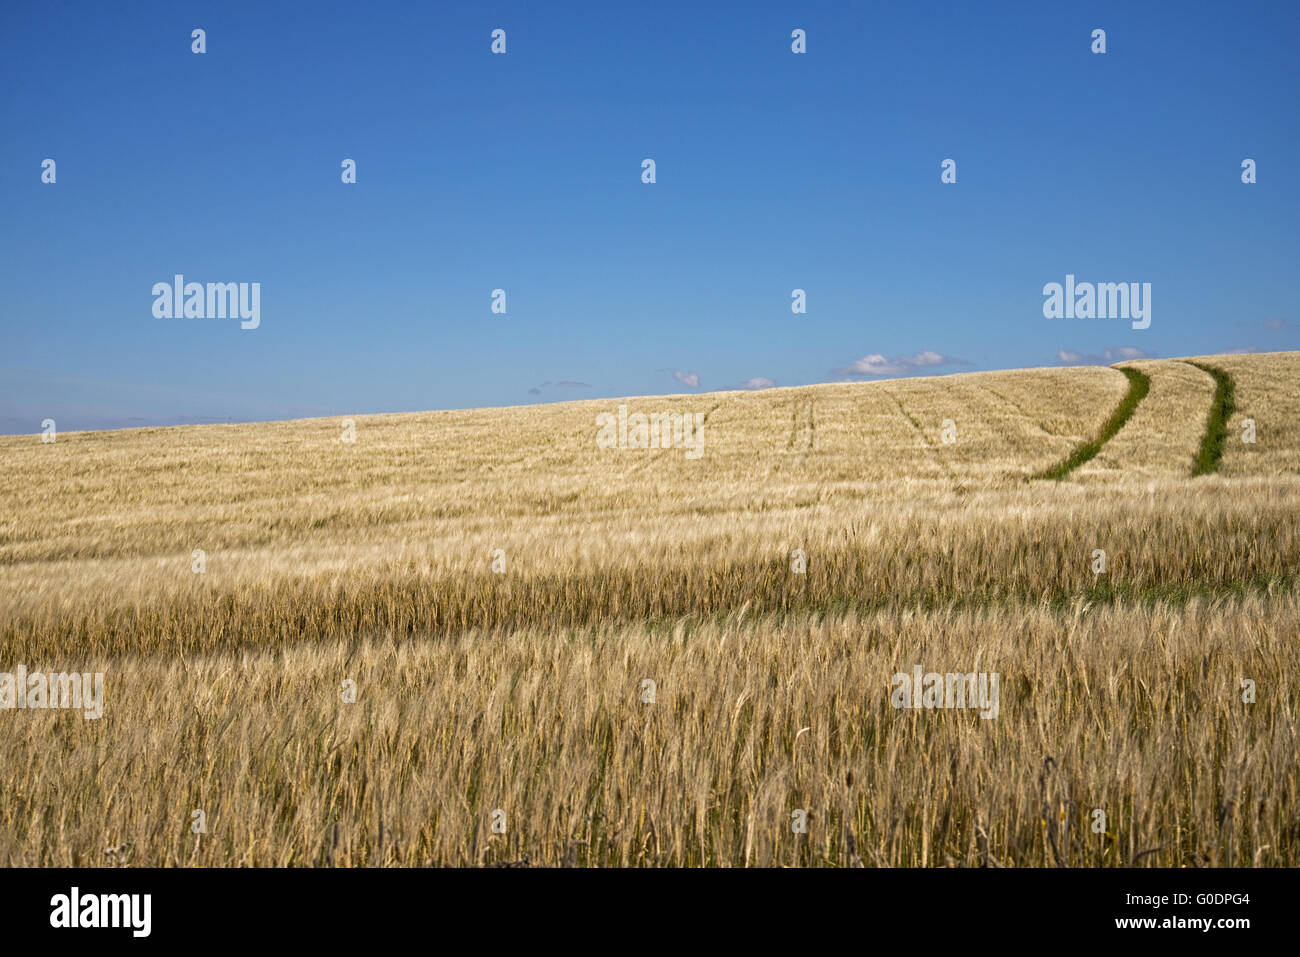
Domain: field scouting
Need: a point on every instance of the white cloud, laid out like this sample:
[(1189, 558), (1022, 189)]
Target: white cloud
[(691, 379), (878, 365), (1126, 352), (1069, 357)]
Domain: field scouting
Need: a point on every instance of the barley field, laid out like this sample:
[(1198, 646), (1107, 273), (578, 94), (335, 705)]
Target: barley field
[(563, 654)]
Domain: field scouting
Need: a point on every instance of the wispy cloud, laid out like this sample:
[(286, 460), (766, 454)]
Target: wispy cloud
[(878, 365), (564, 384), (753, 384), (1068, 357), (689, 379)]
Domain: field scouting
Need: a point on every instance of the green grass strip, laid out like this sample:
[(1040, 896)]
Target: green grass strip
[(1138, 385), (1216, 425)]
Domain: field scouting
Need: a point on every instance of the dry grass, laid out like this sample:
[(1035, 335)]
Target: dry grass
[(1164, 435), (1267, 392), (371, 560), (1139, 706)]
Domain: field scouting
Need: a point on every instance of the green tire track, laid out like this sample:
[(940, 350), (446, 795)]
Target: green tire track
[(1216, 424), (1139, 384)]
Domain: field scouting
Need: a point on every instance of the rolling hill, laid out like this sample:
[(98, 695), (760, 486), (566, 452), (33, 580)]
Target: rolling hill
[(500, 587)]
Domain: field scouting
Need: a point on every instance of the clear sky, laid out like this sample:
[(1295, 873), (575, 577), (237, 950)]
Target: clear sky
[(523, 171)]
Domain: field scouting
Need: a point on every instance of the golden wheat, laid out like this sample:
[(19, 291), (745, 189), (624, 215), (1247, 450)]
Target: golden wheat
[(522, 690)]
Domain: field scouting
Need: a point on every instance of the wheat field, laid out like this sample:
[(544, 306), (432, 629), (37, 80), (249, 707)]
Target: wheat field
[(499, 591)]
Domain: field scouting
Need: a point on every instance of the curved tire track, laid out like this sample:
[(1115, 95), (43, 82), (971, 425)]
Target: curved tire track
[(953, 477), (1139, 384), (1216, 424)]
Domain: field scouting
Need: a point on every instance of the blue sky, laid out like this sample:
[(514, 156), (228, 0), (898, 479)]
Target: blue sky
[(476, 171)]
